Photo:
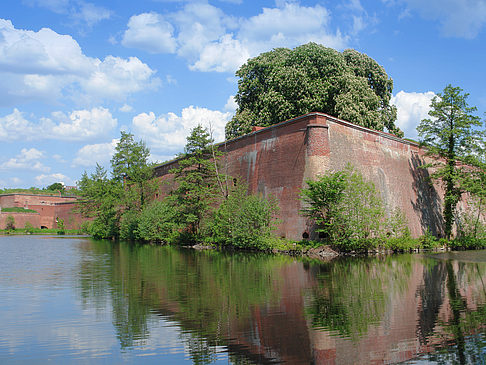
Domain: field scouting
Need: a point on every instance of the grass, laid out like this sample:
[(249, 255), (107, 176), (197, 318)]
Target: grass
[(18, 210), (38, 231), (38, 192)]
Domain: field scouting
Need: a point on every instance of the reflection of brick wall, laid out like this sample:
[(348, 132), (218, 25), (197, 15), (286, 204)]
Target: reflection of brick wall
[(277, 160), (48, 208)]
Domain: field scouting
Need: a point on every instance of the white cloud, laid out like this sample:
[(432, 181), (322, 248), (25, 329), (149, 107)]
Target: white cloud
[(210, 40), (91, 14), (116, 78), (27, 159), (290, 25), (56, 6), (45, 65), (126, 108), (411, 109), (58, 158), (77, 126), (78, 10), (231, 104), (91, 154), (226, 55), (44, 179), (150, 32), (457, 17), (169, 132)]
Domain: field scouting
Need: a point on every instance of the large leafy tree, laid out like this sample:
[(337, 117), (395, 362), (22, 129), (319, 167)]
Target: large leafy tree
[(282, 84), (450, 136)]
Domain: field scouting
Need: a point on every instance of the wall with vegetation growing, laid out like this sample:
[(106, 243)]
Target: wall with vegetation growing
[(277, 160), (48, 208)]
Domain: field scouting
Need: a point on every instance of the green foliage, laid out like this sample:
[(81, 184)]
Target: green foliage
[(101, 199), (60, 227), (471, 225), (29, 228), (397, 225), (283, 84), (244, 221), (449, 135), (56, 187), (196, 182), (37, 191), (346, 208), (10, 223), (129, 224), (157, 222), (116, 203), (18, 210), (323, 198), (130, 165)]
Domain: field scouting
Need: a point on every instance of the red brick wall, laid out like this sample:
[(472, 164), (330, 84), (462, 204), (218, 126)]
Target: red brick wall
[(49, 208), (20, 219), (277, 160)]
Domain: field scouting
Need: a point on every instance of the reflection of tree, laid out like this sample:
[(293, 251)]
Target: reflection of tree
[(458, 304), (206, 292), (432, 296), (465, 331), (352, 294)]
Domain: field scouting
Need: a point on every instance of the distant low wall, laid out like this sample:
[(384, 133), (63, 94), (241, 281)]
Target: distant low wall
[(20, 219), (49, 208)]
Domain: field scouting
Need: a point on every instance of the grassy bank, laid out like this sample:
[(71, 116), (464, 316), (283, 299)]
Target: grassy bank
[(38, 231)]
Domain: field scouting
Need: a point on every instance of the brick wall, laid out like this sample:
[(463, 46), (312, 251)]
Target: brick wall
[(279, 159), (20, 219), (49, 208)]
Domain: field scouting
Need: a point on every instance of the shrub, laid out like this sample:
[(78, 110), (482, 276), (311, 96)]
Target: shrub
[(349, 212), (29, 228), (157, 222), (244, 221), (429, 241), (129, 225), (10, 223), (60, 227)]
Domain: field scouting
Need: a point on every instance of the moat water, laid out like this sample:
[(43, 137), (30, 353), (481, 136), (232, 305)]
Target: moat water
[(76, 300)]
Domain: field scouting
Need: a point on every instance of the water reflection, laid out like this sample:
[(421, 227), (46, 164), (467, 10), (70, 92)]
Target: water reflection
[(121, 302), (267, 309)]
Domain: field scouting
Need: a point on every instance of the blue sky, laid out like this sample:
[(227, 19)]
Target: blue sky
[(74, 73)]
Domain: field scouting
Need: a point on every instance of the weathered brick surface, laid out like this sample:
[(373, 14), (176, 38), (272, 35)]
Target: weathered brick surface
[(20, 219), (277, 160), (49, 208)]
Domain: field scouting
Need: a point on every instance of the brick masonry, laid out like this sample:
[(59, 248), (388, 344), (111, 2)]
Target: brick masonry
[(48, 208), (276, 161)]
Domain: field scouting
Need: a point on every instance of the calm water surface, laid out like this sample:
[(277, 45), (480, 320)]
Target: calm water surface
[(75, 300)]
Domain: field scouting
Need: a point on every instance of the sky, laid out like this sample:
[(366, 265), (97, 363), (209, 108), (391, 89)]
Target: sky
[(74, 73)]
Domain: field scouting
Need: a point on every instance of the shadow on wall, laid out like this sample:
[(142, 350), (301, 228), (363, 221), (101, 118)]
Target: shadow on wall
[(427, 205)]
